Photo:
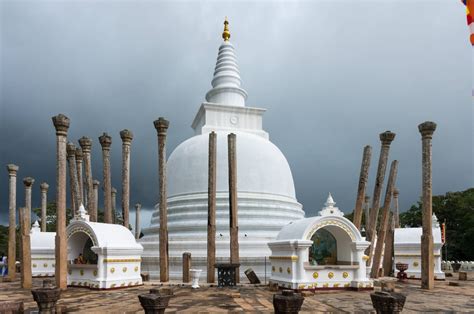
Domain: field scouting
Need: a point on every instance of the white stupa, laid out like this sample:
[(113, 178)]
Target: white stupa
[(266, 192)]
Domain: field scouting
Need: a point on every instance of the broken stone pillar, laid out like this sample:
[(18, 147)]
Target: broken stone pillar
[(105, 141), (211, 209), (138, 228), (384, 220), (12, 171), (396, 213), (114, 204), (186, 266), (366, 211), (95, 199), (61, 124), (44, 204), (161, 126), (363, 178), (127, 137), (386, 138), (233, 210), (74, 184), (427, 260), (86, 145), (26, 279), (28, 182), (79, 159)]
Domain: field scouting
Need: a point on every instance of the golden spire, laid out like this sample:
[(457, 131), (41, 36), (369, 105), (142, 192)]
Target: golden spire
[(226, 33)]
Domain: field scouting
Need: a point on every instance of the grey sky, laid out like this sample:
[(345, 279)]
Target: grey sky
[(333, 75)]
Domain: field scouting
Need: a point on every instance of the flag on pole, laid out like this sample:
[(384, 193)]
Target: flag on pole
[(470, 17)]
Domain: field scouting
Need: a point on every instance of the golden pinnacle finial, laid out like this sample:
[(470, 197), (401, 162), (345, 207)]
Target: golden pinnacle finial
[(226, 33)]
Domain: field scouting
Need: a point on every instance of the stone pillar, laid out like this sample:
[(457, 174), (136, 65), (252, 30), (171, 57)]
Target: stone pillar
[(427, 259), (211, 209), (28, 182), (80, 180), (386, 138), (233, 210), (384, 223), (363, 178), (44, 204), (61, 123), (114, 204), (12, 170), (138, 228), (127, 137), (161, 126), (366, 211), (26, 276), (95, 199), (396, 214), (186, 266), (388, 248), (86, 145), (74, 184), (105, 142)]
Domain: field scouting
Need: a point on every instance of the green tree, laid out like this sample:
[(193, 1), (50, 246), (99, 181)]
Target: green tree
[(457, 210), (51, 216)]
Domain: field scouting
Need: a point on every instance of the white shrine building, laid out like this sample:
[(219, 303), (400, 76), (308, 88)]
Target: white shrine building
[(407, 250), (42, 252), (321, 252), (111, 257), (266, 192)]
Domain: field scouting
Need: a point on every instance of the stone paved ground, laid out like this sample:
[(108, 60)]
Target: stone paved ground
[(443, 298)]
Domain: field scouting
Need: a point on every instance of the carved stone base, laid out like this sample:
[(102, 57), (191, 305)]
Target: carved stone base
[(287, 302), (156, 301), (385, 302), (46, 297)]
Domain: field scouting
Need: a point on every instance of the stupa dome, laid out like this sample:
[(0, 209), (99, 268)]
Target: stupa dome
[(261, 166)]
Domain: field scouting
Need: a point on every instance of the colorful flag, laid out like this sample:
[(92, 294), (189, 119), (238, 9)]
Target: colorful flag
[(469, 16)]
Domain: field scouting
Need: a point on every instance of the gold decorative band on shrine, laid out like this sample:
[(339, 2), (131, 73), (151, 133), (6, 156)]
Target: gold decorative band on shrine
[(293, 258), (413, 255), (121, 260)]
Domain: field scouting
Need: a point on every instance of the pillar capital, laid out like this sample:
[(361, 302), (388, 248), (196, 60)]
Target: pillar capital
[(79, 154), (396, 192), (387, 137), (71, 149), (44, 187), (28, 182), (113, 191), (138, 206), (12, 170), (427, 129), (127, 136), (95, 183), (161, 125), (86, 144), (61, 124), (367, 199), (105, 141)]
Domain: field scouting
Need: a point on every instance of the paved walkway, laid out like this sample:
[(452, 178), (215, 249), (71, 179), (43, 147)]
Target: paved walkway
[(246, 298)]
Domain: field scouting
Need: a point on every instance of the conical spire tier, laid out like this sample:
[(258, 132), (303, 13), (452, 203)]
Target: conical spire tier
[(226, 82)]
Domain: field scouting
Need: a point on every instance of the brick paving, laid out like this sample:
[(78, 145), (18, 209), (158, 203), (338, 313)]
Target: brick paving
[(246, 298)]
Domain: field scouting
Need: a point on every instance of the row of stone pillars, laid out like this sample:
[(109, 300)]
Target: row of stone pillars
[(390, 219)]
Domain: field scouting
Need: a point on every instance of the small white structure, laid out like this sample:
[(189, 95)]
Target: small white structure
[(102, 256), (407, 249), (322, 252), (42, 252)]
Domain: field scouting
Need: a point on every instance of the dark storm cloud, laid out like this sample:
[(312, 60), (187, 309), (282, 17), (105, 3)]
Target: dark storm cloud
[(333, 75)]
